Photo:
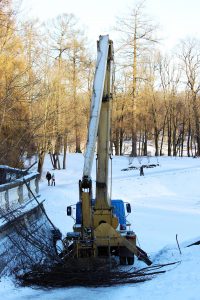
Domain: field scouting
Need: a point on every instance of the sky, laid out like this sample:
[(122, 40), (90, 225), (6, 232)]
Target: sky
[(178, 19)]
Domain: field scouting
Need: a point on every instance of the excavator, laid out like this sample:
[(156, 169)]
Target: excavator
[(101, 229)]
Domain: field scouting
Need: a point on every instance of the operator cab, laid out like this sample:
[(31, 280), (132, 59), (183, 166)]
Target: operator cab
[(118, 208)]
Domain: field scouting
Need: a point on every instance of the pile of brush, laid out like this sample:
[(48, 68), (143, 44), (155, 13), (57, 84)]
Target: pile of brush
[(75, 274)]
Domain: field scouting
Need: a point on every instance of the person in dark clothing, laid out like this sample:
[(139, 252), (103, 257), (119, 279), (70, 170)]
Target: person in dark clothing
[(142, 171), (48, 177), (53, 180)]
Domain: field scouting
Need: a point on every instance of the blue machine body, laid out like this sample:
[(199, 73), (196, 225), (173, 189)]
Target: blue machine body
[(118, 210)]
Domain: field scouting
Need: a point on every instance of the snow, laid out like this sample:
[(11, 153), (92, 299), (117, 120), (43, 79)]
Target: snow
[(20, 210), (165, 202)]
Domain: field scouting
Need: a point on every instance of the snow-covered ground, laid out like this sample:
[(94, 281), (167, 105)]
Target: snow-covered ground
[(165, 202)]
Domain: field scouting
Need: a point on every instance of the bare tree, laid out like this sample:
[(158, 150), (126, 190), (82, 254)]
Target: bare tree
[(190, 61), (137, 36)]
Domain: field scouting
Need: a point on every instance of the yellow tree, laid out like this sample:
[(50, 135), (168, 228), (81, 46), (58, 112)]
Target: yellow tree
[(14, 125)]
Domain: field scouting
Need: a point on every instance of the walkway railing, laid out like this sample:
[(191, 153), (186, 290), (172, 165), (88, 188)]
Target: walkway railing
[(13, 190)]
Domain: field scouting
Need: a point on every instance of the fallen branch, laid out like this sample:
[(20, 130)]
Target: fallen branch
[(178, 244), (62, 276), (194, 244)]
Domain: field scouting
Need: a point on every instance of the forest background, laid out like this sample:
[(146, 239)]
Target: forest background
[(46, 75)]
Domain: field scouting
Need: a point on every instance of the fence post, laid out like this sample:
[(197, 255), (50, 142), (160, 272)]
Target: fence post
[(7, 206), (20, 194)]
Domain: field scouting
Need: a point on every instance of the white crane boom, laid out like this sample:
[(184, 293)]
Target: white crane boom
[(98, 88)]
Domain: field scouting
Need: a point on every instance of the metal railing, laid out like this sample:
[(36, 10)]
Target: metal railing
[(13, 190)]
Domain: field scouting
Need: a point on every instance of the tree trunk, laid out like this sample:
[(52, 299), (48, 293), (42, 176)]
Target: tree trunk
[(145, 142), (121, 139), (65, 152), (163, 134), (134, 143), (134, 86), (117, 141), (174, 142), (139, 144), (188, 140), (197, 127), (78, 141), (169, 137), (41, 157), (182, 138)]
